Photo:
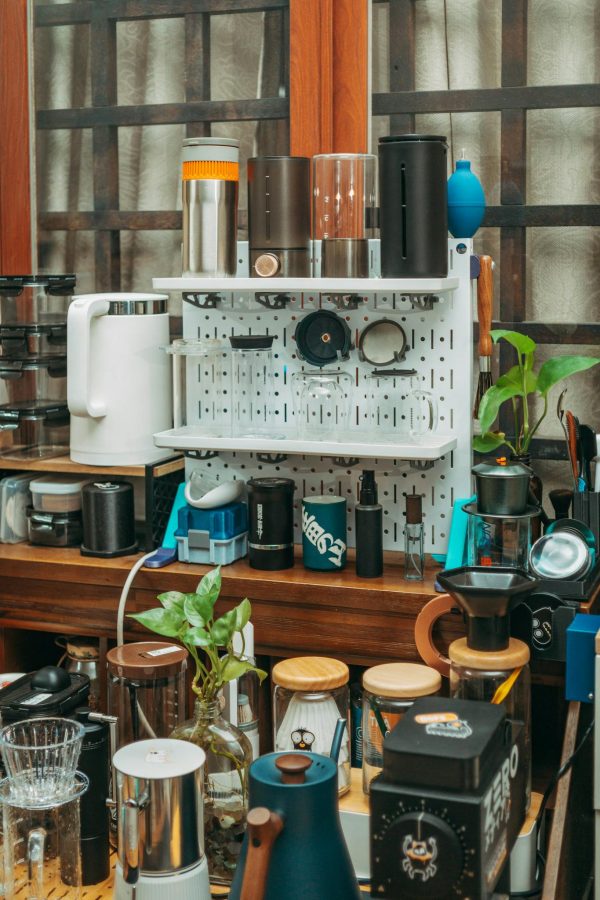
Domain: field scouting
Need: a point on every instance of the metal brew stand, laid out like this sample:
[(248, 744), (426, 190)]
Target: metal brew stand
[(437, 316)]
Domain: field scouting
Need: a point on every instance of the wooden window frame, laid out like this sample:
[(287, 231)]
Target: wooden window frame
[(328, 105)]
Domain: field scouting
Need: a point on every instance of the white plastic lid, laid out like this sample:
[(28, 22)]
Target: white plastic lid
[(57, 484), (159, 758)]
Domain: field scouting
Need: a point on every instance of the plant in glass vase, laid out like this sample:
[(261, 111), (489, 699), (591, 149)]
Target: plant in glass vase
[(519, 386), (190, 618)]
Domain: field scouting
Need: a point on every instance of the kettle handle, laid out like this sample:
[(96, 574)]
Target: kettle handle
[(431, 612), (79, 321), (264, 827)]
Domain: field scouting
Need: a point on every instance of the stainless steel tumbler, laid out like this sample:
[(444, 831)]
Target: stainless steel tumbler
[(210, 179)]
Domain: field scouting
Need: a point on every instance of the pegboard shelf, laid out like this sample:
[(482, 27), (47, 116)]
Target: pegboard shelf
[(429, 448), (412, 286)]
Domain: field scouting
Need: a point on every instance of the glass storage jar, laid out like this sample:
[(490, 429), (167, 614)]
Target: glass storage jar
[(146, 689), (253, 386), (311, 693), (28, 299), (388, 691), (496, 676), (321, 402), (202, 385), (34, 429), (24, 378)]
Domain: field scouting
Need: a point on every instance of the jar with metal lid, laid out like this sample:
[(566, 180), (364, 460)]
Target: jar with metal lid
[(496, 676), (82, 655), (389, 690), (28, 299), (311, 693), (255, 408), (202, 384), (146, 689)]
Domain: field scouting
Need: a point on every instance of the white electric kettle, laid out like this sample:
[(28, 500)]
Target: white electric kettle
[(118, 377)]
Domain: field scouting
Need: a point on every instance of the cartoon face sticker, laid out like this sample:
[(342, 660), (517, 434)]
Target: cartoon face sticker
[(419, 857), (302, 739), (541, 626)]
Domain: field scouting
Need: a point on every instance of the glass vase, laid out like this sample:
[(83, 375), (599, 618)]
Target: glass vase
[(228, 757)]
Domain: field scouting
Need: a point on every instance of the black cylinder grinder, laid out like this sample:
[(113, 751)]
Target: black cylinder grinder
[(449, 803)]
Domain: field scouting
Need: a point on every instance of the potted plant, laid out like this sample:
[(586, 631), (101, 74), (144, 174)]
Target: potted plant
[(190, 618), (518, 386)]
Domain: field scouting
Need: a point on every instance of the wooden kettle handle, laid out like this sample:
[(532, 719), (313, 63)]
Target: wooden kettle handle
[(426, 619), (485, 296), (264, 827)]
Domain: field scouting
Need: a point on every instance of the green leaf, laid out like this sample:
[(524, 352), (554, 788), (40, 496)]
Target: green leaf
[(235, 668), (491, 440), (515, 376), (210, 585), (198, 609), (197, 637), (492, 400), (520, 342), (243, 611), (171, 600), (223, 629), (167, 622), (554, 370)]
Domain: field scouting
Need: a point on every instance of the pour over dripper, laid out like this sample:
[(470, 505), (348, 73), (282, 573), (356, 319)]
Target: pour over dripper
[(487, 596)]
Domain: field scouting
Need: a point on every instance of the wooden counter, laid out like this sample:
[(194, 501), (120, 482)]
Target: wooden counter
[(294, 611)]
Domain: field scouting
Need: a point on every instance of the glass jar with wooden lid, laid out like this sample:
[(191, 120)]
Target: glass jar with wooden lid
[(310, 695), (496, 676), (146, 689), (388, 691)]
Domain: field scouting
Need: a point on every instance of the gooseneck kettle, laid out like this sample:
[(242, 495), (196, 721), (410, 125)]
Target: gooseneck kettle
[(294, 846)]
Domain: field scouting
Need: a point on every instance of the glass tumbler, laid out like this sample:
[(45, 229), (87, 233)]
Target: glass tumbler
[(344, 200), (397, 406), (253, 386), (202, 385), (322, 402)]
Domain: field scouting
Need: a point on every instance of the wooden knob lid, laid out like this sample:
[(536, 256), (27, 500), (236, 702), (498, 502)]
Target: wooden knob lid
[(516, 654), (293, 767), (310, 673)]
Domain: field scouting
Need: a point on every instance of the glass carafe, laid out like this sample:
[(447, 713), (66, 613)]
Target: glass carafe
[(42, 845), (397, 406), (321, 402)]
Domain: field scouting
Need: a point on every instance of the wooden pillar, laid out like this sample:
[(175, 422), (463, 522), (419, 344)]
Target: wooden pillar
[(15, 183)]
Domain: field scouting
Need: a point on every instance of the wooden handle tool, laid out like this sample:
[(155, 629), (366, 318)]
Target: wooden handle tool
[(485, 300)]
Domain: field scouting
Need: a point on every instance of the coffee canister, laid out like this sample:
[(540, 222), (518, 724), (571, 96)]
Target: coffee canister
[(210, 178), (413, 211), (108, 519), (271, 525), (324, 532)]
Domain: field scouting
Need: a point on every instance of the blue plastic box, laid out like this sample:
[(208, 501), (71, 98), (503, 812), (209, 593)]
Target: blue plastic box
[(581, 656)]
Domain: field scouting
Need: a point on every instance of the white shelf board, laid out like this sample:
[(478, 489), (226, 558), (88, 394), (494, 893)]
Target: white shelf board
[(428, 448), (309, 285)]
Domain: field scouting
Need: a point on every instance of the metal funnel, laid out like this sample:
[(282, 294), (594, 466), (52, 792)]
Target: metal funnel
[(487, 595)]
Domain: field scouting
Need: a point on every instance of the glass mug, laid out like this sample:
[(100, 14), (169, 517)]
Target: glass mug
[(321, 402), (397, 406)]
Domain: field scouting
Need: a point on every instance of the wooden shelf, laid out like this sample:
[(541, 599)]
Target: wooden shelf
[(65, 465)]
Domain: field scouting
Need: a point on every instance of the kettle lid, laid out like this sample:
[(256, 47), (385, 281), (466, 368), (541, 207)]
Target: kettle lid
[(158, 759), (310, 769)]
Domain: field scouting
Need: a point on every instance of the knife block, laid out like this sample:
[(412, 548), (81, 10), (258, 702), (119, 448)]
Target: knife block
[(586, 508)]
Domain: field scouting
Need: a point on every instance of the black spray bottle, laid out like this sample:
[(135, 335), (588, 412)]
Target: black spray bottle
[(368, 528)]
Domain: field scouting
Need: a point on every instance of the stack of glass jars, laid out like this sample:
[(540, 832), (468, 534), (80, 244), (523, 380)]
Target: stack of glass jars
[(34, 417)]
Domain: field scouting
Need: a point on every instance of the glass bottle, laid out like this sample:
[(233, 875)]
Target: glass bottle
[(228, 757), (414, 554)]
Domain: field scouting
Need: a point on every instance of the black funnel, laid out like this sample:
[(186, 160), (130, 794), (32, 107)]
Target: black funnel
[(487, 595)]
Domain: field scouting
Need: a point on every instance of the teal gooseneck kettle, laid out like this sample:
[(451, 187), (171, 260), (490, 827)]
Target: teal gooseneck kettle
[(294, 846)]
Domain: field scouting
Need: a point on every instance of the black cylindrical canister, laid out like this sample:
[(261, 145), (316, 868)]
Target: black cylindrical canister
[(271, 528), (94, 762), (108, 519), (413, 214), (279, 216)]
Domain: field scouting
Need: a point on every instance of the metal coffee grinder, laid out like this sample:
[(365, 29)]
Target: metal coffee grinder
[(161, 833)]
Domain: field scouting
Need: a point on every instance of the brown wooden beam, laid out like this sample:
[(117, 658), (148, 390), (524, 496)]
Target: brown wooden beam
[(311, 74), (487, 99), (402, 59), (351, 76), (556, 216), (82, 11), (15, 185)]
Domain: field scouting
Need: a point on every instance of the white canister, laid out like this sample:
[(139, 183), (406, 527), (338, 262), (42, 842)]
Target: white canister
[(118, 377)]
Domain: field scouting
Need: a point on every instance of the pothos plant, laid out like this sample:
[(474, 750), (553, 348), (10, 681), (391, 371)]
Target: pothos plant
[(190, 618), (518, 386)]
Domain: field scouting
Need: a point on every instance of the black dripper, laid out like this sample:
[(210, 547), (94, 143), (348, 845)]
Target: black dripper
[(487, 596)]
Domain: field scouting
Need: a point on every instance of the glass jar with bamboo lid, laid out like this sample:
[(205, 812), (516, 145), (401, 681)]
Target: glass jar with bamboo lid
[(389, 690), (311, 693)]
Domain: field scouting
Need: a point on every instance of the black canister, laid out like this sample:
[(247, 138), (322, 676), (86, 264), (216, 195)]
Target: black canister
[(271, 528), (108, 519), (279, 216), (94, 762), (413, 214)]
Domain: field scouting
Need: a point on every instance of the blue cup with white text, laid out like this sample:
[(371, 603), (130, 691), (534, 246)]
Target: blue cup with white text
[(324, 532)]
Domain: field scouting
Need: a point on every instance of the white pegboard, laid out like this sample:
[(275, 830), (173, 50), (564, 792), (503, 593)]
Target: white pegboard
[(439, 341)]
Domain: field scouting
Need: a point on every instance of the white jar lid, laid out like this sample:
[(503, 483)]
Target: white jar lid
[(57, 484), (211, 150)]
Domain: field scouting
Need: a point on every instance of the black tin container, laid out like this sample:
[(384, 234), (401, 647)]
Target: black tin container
[(271, 523), (413, 212)]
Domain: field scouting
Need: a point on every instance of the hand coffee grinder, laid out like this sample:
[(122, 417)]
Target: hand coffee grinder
[(488, 664)]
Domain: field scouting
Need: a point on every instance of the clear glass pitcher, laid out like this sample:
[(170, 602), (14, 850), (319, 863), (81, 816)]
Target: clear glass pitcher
[(42, 845), (397, 406)]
